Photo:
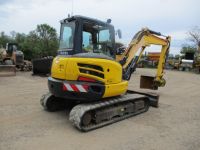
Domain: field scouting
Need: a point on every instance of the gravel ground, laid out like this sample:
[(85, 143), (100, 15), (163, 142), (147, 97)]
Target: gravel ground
[(175, 125)]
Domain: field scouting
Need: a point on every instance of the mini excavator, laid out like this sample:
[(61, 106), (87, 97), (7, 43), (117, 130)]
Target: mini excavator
[(90, 71)]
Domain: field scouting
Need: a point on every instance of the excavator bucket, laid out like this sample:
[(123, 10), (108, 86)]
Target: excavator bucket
[(147, 82), (7, 70)]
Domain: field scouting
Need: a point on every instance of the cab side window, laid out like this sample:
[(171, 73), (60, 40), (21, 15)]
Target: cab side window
[(87, 42)]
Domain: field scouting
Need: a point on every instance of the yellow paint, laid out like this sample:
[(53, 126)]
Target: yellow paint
[(112, 70), (115, 89)]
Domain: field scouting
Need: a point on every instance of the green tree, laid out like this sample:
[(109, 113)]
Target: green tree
[(13, 34), (40, 42), (47, 39), (4, 39), (20, 39), (194, 35), (28, 45), (188, 49), (177, 56)]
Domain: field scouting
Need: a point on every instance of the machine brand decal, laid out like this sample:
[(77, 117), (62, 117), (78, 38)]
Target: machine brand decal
[(75, 87), (62, 52)]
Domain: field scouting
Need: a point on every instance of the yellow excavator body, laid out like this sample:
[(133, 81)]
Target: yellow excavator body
[(107, 72)]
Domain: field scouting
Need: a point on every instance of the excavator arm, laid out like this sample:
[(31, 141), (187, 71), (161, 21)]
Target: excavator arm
[(140, 41)]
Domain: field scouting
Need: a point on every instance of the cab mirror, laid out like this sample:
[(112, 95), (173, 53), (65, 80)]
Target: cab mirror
[(120, 50), (119, 33)]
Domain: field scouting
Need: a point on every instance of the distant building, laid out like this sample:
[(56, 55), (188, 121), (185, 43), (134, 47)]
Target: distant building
[(153, 56)]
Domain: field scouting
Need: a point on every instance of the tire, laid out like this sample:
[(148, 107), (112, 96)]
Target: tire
[(42, 66)]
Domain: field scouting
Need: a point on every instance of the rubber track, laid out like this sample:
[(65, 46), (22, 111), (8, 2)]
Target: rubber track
[(78, 111)]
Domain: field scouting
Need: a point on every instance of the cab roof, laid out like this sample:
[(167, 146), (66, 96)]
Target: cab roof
[(88, 19)]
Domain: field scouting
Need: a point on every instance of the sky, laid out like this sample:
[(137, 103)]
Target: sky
[(170, 17)]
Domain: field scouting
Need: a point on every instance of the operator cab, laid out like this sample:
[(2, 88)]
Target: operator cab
[(80, 34), (11, 47)]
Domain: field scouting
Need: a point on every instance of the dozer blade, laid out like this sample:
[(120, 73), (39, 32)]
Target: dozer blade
[(147, 82), (153, 97), (7, 70)]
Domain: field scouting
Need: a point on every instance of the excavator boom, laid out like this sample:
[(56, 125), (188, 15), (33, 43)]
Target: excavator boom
[(140, 41)]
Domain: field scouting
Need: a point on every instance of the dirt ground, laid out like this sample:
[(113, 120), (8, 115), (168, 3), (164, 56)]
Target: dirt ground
[(175, 125)]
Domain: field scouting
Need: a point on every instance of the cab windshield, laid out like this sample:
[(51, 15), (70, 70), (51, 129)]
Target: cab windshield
[(67, 36), (97, 39)]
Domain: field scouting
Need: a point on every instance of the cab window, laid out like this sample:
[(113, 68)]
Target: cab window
[(67, 36), (87, 42)]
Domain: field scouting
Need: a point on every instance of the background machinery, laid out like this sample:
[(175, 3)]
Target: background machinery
[(11, 58), (90, 72), (187, 63), (42, 66)]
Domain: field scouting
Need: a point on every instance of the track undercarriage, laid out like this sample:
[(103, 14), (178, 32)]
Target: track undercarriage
[(89, 116)]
